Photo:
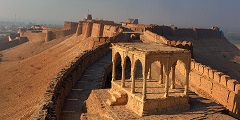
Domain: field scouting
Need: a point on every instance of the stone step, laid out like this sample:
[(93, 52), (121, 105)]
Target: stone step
[(117, 98), (110, 102)]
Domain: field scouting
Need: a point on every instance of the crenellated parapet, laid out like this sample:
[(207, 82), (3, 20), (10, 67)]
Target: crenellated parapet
[(214, 85)]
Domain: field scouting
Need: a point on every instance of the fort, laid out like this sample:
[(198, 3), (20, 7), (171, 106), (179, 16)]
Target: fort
[(150, 76)]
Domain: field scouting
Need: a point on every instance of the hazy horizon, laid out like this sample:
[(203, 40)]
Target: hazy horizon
[(184, 13)]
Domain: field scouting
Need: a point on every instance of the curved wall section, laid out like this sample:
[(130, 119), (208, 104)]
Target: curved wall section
[(51, 105)]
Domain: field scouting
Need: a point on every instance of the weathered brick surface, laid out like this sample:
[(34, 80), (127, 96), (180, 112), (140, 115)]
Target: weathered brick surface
[(231, 84), (195, 79), (206, 71), (211, 73), (224, 79), (206, 85), (220, 93), (217, 76)]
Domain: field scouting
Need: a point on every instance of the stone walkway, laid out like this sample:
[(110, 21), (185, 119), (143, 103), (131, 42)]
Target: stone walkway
[(74, 103)]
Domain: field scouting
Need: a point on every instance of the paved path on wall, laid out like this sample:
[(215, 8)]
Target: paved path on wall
[(74, 103)]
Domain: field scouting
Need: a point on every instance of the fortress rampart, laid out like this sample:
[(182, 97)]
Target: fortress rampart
[(99, 29), (48, 34), (34, 35), (70, 25), (137, 27), (197, 33), (50, 107), (110, 30), (55, 34), (13, 43), (204, 80)]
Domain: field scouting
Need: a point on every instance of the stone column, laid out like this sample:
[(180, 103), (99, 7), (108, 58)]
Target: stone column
[(133, 78), (123, 72), (149, 73), (166, 85), (166, 79), (113, 68), (161, 74), (144, 83), (173, 77), (186, 82)]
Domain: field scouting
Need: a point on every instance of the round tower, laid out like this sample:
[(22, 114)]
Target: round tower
[(79, 29)]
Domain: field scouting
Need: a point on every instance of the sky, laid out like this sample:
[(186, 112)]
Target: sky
[(181, 13)]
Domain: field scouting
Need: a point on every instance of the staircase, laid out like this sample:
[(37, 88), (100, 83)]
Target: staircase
[(118, 98)]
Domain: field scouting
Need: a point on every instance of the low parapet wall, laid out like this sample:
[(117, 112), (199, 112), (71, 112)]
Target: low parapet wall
[(187, 32), (153, 37), (55, 34), (47, 34), (137, 27), (13, 43), (34, 35), (214, 85), (51, 105)]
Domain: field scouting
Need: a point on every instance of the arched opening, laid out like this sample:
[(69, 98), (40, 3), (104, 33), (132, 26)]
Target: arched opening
[(108, 80), (133, 37), (138, 67), (156, 71), (180, 71), (118, 67), (128, 68)]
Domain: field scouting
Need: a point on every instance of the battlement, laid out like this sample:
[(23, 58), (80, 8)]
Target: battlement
[(214, 85)]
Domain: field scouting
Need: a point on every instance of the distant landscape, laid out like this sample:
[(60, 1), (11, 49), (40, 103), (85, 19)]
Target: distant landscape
[(233, 37)]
